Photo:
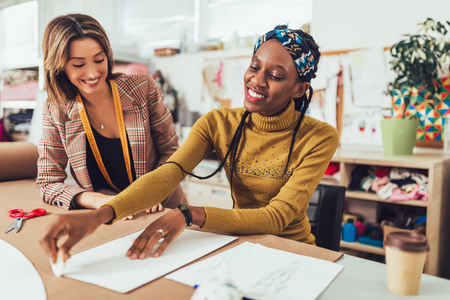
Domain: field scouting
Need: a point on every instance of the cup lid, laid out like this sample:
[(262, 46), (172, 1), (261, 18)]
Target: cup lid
[(407, 241)]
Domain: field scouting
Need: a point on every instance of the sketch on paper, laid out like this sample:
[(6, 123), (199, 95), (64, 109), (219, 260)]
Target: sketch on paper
[(280, 277), (366, 76), (277, 280), (213, 79), (222, 83)]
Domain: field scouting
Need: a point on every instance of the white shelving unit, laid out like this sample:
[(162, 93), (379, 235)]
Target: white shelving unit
[(22, 104), (18, 103)]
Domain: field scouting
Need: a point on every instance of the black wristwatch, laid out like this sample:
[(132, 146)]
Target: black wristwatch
[(187, 214)]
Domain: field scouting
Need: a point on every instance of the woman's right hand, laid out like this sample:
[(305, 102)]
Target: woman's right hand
[(75, 226)]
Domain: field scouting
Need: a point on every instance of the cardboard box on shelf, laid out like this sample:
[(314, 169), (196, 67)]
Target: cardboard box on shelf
[(166, 51), (388, 229)]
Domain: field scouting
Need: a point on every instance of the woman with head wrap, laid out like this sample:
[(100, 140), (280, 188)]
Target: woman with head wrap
[(273, 154)]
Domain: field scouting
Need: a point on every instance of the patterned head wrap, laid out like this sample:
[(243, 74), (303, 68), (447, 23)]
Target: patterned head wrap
[(299, 51)]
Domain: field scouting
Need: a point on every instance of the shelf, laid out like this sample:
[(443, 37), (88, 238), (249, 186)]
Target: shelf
[(329, 180), (423, 158), (20, 67), (362, 247), (361, 195), (127, 58), (21, 104), (436, 164)]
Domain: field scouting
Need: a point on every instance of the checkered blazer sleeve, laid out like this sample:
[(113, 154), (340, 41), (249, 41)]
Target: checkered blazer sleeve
[(164, 136), (52, 163)]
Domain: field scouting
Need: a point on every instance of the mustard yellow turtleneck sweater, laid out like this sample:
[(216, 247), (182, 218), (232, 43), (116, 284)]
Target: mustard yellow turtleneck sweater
[(266, 201)]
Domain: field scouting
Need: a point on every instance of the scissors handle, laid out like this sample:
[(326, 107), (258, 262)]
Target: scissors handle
[(35, 213), (15, 213)]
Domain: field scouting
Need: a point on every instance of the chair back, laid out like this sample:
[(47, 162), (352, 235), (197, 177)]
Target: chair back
[(325, 215)]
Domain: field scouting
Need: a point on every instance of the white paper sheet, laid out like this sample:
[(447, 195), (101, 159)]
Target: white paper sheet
[(360, 124), (18, 277), (263, 273), (369, 78), (107, 265)]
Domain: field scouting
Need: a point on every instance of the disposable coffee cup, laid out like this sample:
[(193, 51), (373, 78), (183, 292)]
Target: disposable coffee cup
[(406, 253)]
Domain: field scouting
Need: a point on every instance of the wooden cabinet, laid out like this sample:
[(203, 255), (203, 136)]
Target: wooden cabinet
[(214, 191), (437, 164), (207, 193)]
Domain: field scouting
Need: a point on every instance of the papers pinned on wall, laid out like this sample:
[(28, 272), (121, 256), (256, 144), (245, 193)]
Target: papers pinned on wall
[(323, 102), (108, 267), (223, 83), (262, 273), (369, 78), (366, 76)]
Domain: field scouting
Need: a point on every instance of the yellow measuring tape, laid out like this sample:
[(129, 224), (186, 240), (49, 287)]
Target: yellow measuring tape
[(123, 135)]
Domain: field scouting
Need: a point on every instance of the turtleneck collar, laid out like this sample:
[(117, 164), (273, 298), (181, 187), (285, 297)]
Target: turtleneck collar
[(287, 118)]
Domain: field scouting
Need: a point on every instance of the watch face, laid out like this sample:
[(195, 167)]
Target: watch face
[(183, 207)]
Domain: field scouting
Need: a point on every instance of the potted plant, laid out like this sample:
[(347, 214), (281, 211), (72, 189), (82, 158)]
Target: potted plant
[(416, 60)]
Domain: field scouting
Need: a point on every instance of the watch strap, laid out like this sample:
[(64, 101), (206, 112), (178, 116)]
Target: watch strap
[(187, 214)]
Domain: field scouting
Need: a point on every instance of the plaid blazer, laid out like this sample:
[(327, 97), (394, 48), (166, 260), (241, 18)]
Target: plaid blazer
[(148, 124)]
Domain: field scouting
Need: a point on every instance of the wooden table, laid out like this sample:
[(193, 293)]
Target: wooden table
[(23, 194), (359, 279)]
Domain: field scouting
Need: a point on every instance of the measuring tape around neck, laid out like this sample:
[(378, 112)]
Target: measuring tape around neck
[(122, 131)]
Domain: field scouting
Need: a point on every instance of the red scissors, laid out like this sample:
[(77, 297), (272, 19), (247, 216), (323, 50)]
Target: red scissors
[(19, 216)]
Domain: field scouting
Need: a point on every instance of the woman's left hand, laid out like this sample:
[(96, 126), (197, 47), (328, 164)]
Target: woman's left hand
[(156, 208), (168, 227)]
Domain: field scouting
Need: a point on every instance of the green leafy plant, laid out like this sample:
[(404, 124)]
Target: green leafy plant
[(416, 60)]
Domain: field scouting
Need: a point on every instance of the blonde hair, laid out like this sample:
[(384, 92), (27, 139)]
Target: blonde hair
[(58, 35)]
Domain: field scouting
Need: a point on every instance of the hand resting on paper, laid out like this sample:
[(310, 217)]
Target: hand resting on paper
[(169, 227), (78, 225)]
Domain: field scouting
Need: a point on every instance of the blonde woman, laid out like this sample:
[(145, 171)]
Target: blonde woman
[(110, 128)]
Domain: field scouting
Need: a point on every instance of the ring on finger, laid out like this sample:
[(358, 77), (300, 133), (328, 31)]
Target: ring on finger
[(160, 231)]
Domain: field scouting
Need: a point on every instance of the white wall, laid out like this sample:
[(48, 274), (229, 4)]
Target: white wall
[(352, 24), (336, 25), (184, 72)]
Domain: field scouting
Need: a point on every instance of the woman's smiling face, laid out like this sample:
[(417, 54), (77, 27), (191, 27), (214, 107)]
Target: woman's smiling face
[(271, 80), (87, 66)]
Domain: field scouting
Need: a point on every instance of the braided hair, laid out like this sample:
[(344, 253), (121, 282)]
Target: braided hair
[(301, 104), (233, 147)]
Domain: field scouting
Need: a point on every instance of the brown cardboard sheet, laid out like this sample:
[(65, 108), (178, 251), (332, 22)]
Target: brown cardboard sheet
[(23, 194)]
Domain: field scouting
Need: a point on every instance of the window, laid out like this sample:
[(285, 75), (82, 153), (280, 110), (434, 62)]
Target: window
[(176, 23), (252, 18), (19, 35), (157, 24), (140, 26)]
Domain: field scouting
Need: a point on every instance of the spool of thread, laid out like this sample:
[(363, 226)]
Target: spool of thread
[(360, 228), (349, 231)]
